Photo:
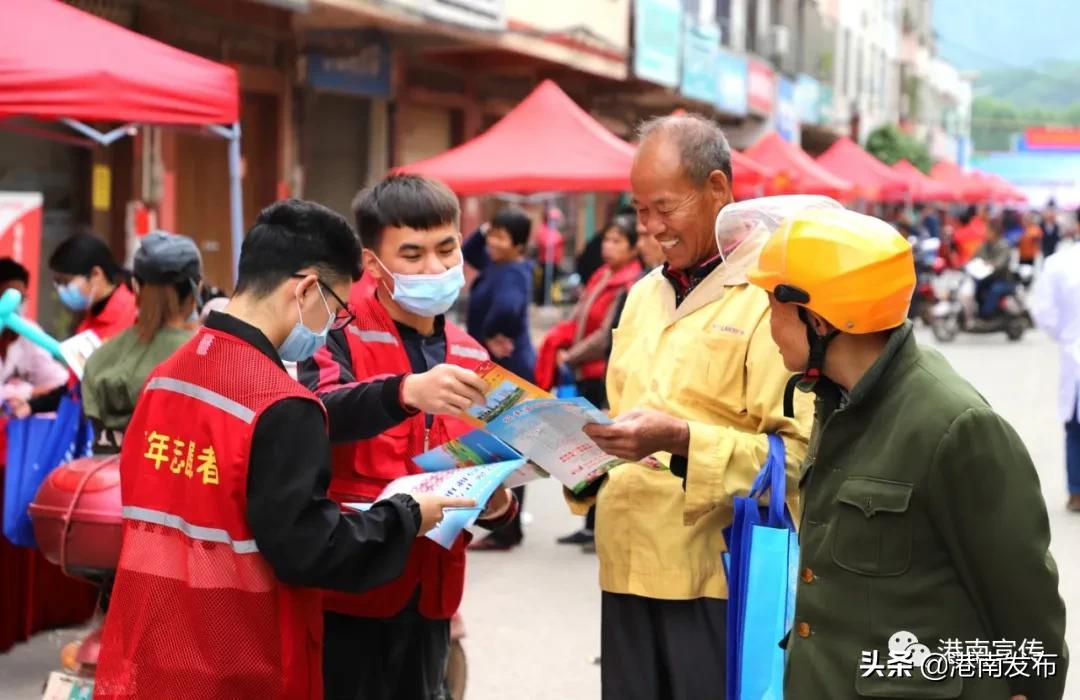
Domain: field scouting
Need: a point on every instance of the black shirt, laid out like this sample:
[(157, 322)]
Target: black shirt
[(304, 536), (684, 281), (424, 351)]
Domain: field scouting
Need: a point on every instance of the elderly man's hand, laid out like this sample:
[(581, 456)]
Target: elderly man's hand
[(640, 433)]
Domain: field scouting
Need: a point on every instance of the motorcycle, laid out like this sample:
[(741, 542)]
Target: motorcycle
[(957, 308), (928, 264)]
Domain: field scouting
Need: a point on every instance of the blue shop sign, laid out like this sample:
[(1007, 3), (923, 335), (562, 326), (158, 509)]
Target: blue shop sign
[(732, 73), (355, 63), (657, 41)]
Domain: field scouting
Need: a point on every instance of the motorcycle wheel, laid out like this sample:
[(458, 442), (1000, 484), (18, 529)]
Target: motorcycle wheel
[(457, 671), (944, 329), (1014, 329)]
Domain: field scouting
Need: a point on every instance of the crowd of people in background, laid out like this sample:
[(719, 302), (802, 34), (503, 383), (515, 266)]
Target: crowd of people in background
[(390, 372)]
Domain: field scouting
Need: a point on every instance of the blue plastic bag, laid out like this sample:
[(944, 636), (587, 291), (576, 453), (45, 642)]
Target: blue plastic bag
[(565, 386), (761, 564), (36, 446)]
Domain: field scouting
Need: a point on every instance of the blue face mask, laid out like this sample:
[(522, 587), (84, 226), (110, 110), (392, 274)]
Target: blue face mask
[(428, 295), (303, 342), (72, 297)]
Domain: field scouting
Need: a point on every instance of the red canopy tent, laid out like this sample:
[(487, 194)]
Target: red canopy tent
[(923, 187), (60, 63), (970, 189), (876, 181), (545, 144), (807, 177), (751, 179), (1000, 189), (57, 61)]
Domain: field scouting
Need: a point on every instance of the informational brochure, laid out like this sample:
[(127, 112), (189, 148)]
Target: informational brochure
[(476, 448), (77, 350), (520, 420), (475, 482)]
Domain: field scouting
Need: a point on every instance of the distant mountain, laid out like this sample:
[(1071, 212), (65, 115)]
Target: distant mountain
[(994, 34), (1047, 85)]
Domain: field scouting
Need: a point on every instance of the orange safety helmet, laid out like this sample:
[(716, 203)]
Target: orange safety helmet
[(855, 271)]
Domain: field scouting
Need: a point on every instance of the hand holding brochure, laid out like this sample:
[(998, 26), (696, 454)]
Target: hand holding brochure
[(522, 420), (477, 482), (77, 350)]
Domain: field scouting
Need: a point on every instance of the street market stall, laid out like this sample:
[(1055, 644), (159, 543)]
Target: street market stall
[(60, 64), (923, 187), (876, 182), (806, 176)]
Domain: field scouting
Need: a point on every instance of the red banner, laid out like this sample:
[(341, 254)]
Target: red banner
[(1040, 138), (20, 237), (761, 87)]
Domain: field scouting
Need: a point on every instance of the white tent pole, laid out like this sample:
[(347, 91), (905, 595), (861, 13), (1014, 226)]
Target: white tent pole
[(236, 192), (105, 139), (236, 199)]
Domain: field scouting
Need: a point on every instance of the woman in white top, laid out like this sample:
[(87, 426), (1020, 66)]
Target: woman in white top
[(26, 370)]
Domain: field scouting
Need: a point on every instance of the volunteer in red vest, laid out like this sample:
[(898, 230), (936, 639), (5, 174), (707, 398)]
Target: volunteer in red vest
[(228, 533), (90, 284), (392, 643)]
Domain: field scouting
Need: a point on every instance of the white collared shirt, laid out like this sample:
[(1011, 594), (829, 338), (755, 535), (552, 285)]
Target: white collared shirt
[(1056, 309)]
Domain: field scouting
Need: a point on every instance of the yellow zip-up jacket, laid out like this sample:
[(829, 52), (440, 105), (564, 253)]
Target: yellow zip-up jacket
[(713, 363)]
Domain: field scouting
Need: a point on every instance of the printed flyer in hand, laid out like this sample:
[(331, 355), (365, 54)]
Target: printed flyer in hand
[(477, 482), (520, 420)]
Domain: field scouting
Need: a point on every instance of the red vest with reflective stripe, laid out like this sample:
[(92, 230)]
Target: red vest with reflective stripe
[(362, 469), (196, 611), (117, 316)]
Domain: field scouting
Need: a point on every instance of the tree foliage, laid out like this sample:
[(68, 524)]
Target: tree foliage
[(995, 122), (889, 144)]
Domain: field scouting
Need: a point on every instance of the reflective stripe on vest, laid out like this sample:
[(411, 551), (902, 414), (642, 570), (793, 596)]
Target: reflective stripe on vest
[(203, 394), (374, 336), (195, 532), (469, 352)]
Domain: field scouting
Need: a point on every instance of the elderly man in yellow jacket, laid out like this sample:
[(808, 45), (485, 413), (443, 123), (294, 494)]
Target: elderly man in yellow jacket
[(696, 381)]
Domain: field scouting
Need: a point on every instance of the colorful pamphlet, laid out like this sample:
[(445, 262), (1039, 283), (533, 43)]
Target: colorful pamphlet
[(522, 421), (475, 482)]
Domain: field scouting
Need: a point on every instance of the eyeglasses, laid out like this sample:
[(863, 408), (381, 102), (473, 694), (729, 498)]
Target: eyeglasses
[(345, 313)]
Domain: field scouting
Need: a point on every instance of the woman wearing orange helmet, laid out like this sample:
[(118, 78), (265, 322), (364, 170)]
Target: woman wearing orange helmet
[(923, 525)]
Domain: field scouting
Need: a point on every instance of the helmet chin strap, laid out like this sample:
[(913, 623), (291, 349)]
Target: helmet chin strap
[(814, 366)]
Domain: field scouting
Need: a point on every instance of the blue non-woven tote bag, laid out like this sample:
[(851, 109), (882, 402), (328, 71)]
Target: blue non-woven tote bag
[(761, 562), (36, 446)]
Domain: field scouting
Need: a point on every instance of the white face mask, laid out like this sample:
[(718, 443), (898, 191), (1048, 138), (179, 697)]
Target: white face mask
[(427, 295)]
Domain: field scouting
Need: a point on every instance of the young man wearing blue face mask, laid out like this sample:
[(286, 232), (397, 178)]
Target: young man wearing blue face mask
[(392, 643), (227, 528)]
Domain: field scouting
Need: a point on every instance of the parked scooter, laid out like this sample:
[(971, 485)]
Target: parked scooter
[(958, 310)]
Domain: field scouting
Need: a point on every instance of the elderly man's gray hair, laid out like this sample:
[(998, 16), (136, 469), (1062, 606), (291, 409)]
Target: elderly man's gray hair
[(703, 147)]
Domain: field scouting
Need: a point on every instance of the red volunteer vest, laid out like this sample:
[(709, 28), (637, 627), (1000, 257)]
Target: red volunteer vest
[(196, 611), (362, 469), (117, 316)]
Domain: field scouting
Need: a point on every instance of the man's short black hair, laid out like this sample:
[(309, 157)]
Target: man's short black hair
[(12, 271), (81, 253), (291, 235), (404, 201), (515, 222)]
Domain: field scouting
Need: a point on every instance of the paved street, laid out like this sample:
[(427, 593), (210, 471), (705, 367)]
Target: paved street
[(532, 615)]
